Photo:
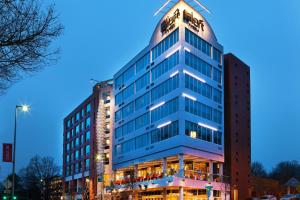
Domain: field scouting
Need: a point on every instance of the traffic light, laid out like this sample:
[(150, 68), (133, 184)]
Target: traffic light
[(14, 197), (4, 198)]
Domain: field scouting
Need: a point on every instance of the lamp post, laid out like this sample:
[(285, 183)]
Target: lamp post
[(23, 108)]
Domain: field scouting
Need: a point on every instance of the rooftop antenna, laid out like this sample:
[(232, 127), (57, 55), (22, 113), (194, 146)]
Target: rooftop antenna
[(168, 1)]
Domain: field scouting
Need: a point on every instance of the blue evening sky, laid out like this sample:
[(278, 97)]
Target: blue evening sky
[(101, 36)]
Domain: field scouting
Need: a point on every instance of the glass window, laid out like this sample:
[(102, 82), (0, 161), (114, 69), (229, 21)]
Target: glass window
[(217, 116), (68, 146), (78, 116), (165, 132), (165, 66), (198, 64), (76, 155), (82, 139), (142, 101), (165, 88), (88, 108), (142, 121), (197, 42), (87, 150), (218, 137), (87, 122), (142, 82), (165, 44), (128, 146), (128, 74), (87, 136), (196, 131), (69, 123), (217, 56), (87, 164), (77, 142), (119, 98), (118, 115), (128, 128), (127, 110), (128, 92), (217, 95), (119, 82), (77, 129), (164, 110), (141, 141), (198, 109), (118, 132), (143, 62), (68, 135), (198, 86), (217, 75)]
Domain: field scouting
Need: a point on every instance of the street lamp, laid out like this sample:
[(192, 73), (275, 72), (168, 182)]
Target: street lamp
[(23, 108)]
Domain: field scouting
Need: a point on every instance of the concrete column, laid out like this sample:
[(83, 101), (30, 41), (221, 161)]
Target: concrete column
[(136, 169), (181, 165), (164, 166), (180, 193), (210, 171)]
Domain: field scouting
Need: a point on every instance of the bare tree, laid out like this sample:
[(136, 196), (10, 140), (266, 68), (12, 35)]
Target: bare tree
[(39, 173), (27, 30), (257, 169)]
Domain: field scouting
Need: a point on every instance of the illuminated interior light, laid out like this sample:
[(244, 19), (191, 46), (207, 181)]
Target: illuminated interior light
[(160, 9), (194, 76), (156, 106), (207, 126), (168, 55), (189, 96), (187, 49), (174, 74), (193, 134), (164, 124)]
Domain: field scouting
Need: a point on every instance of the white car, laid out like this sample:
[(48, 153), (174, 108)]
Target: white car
[(268, 197)]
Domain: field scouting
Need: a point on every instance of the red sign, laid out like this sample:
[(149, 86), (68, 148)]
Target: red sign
[(7, 152)]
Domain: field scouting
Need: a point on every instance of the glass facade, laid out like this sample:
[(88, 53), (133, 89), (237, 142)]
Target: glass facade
[(197, 42), (198, 64), (165, 66)]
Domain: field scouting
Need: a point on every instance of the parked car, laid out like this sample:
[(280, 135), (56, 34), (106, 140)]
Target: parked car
[(268, 197), (288, 197)]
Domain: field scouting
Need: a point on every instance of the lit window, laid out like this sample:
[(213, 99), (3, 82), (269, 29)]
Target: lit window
[(193, 134)]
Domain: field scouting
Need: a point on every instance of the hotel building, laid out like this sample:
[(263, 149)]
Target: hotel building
[(168, 140), (87, 160)]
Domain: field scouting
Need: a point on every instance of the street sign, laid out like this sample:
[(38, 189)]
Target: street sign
[(7, 152)]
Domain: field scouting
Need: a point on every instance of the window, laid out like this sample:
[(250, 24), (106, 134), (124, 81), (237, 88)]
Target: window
[(82, 140), (77, 116), (68, 146), (165, 66), (87, 136), (142, 121), (217, 56), (77, 142), (77, 129), (142, 101), (128, 146), (197, 42), (196, 131), (76, 155), (87, 122), (198, 64), (217, 116), (143, 62), (87, 164), (141, 141), (218, 137), (164, 45), (118, 115), (119, 98), (128, 74), (197, 86), (118, 132), (142, 82), (165, 132), (198, 109), (87, 150), (217, 95), (82, 113), (119, 82), (164, 110), (68, 123), (128, 128), (128, 92), (68, 135), (88, 108), (127, 110), (217, 75), (165, 88)]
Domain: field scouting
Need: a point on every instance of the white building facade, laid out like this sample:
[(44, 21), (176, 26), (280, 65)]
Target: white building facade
[(168, 138)]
